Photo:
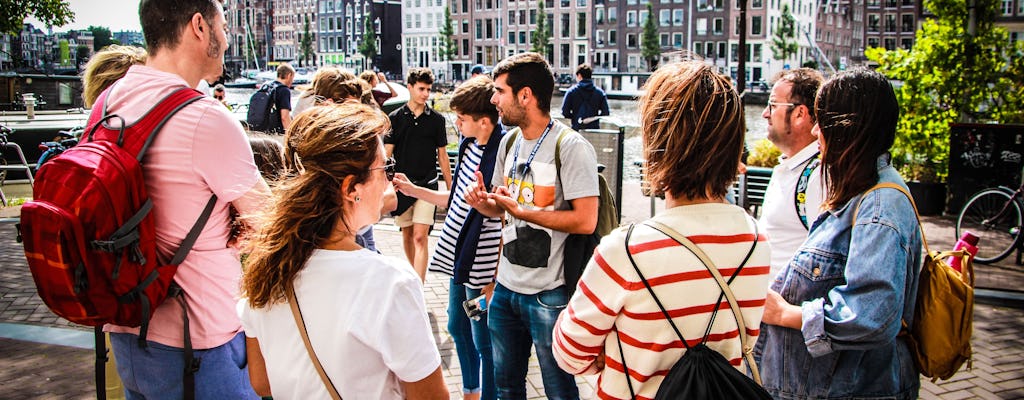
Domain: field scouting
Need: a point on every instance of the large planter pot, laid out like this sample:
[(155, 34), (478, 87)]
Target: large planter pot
[(930, 197)]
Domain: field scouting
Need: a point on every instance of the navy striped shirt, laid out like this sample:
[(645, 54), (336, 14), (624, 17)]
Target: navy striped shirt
[(486, 262)]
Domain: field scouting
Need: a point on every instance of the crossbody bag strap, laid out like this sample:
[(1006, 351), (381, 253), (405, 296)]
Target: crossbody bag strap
[(748, 350), (309, 347)]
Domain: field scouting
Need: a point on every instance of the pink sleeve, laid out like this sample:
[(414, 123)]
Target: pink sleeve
[(222, 156)]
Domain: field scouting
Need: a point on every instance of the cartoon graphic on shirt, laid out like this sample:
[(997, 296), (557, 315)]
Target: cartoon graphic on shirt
[(528, 192)]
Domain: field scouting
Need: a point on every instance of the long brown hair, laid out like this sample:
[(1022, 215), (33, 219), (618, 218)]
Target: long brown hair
[(857, 115), (333, 143), (693, 126)]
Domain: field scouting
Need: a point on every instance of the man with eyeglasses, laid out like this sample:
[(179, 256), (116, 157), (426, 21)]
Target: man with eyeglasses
[(793, 199)]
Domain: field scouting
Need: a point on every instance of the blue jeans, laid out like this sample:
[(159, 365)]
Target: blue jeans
[(472, 343), (516, 321), (156, 371)]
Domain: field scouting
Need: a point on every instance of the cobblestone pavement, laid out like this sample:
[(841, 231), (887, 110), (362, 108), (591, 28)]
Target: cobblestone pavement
[(44, 371)]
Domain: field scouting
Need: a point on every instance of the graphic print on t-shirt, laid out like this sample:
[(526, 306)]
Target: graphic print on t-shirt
[(533, 189)]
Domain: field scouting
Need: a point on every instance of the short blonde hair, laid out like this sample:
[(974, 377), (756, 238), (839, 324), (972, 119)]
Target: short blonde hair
[(106, 67)]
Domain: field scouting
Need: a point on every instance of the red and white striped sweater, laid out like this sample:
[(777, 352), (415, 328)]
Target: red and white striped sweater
[(610, 294)]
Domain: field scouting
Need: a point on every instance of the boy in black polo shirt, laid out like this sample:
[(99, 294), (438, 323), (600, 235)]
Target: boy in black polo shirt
[(418, 143)]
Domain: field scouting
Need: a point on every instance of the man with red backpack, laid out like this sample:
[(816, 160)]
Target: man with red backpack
[(200, 151)]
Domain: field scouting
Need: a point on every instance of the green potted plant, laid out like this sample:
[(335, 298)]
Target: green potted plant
[(950, 75)]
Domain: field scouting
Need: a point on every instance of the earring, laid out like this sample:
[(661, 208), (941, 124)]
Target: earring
[(357, 199)]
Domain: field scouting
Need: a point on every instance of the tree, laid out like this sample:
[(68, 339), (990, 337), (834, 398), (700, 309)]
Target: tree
[(368, 47), (81, 53), (951, 75), (101, 37), (542, 36), (784, 43), (50, 12), (650, 49), (306, 44), (448, 49)]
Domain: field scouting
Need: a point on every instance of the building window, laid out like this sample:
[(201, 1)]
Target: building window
[(563, 59), (600, 38), (1007, 7), (479, 29), (702, 26), (873, 22), (890, 23), (581, 25), (511, 38), (613, 37), (631, 18), (890, 44), (721, 50), (755, 25), (907, 43), (663, 40), (907, 23), (757, 3), (698, 47), (631, 40), (756, 53), (613, 14), (511, 17), (719, 26), (643, 17), (677, 40), (599, 15), (734, 48), (872, 42)]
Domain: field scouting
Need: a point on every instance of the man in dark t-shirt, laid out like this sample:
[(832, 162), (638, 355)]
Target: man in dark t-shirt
[(418, 143), (281, 112)]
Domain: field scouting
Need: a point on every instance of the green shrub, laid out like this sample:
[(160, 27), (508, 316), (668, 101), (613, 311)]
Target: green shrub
[(763, 154)]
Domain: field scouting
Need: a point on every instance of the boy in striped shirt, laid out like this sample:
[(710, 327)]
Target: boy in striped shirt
[(468, 247)]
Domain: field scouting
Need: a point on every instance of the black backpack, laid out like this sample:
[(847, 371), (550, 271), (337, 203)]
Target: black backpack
[(261, 106), (703, 373)]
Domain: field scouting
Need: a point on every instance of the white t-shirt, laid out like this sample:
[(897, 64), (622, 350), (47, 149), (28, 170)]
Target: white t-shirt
[(779, 218), (367, 322)]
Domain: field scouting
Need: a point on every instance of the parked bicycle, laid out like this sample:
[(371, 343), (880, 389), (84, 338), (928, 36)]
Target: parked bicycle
[(995, 216), (64, 140)]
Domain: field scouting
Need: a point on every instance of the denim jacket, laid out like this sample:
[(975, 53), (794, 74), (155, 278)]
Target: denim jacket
[(854, 282)]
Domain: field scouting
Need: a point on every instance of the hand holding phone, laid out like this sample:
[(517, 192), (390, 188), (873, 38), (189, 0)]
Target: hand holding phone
[(475, 307)]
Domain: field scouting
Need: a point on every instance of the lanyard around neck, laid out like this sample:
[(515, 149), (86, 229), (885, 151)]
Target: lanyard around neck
[(529, 160)]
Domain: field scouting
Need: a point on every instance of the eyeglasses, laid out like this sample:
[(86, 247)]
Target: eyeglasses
[(772, 105), (388, 167), (218, 96)]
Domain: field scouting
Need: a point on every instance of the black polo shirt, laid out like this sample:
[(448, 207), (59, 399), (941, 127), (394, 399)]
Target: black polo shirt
[(416, 140)]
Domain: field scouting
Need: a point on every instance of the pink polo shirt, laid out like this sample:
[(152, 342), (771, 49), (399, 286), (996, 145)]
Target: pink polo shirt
[(201, 151)]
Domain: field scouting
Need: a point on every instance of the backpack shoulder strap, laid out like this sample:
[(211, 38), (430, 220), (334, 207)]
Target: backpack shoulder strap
[(150, 123), (890, 185), (800, 191), (747, 347)]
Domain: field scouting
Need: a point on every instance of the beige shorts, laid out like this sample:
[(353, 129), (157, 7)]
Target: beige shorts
[(421, 212)]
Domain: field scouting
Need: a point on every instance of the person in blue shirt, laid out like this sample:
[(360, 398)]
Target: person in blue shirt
[(833, 314), (584, 101)]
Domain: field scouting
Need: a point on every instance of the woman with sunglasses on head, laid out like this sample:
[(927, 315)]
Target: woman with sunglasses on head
[(833, 314), (336, 85), (364, 312)]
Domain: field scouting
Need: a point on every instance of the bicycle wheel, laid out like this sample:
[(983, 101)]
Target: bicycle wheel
[(998, 235)]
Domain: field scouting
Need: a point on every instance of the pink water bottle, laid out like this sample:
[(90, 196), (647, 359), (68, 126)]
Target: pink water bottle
[(969, 242)]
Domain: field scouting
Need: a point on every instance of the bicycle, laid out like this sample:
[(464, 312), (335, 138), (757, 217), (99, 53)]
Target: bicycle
[(4, 145), (995, 216)]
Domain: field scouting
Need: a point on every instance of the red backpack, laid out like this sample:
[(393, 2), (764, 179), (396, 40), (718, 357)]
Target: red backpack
[(89, 233)]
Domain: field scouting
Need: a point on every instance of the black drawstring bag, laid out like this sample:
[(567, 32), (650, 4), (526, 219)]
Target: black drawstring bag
[(702, 373)]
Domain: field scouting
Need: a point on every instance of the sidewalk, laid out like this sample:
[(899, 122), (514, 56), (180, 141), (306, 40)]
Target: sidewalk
[(58, 363)]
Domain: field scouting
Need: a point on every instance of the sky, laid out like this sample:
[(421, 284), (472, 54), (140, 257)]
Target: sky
[(117, 15)]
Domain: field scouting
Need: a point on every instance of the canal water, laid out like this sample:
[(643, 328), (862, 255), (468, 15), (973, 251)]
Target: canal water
[(622, 110)]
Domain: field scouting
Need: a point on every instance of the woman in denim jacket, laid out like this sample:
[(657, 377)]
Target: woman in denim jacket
[(833, 314)]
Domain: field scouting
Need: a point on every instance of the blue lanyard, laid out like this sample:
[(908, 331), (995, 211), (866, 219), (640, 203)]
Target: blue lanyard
[(529, 160)]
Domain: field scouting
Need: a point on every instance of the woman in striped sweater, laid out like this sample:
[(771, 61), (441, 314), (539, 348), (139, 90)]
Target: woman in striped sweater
[(693, 127)]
